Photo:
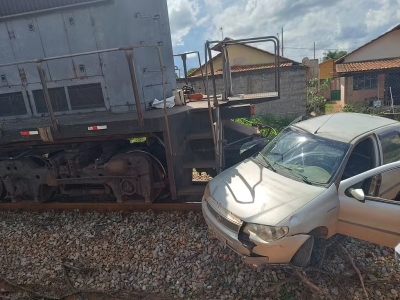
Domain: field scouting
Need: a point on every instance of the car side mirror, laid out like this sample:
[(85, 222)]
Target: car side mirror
[(358, 194)]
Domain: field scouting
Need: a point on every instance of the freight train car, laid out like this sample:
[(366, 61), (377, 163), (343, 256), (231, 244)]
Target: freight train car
[(77, 82)]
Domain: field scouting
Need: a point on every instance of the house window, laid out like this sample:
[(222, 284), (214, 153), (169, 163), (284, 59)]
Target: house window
[(365, 82)]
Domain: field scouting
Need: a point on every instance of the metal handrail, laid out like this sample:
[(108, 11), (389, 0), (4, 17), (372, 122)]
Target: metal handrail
[(183, 57), (272, 39), (227, 78), (208, 99)]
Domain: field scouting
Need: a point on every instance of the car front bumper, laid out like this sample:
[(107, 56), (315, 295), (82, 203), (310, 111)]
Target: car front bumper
[(277, 252)]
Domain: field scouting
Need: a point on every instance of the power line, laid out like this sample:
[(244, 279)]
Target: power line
[(311, 48)]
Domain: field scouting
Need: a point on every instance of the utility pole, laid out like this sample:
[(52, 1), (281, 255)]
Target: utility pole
[(282, 41), (222, 33), (314, 50)]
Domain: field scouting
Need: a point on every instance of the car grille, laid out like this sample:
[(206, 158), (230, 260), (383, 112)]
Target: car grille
[(221, 219)]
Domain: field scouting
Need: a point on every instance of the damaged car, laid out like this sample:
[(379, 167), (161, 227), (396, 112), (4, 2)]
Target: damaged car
[(334, 174)]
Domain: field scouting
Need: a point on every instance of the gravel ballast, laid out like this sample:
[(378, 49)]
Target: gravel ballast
[(167, 256)]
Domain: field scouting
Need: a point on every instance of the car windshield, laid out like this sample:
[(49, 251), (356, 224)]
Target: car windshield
[(303, 156)]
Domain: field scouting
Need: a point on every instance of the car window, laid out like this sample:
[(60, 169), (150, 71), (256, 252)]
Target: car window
[(384, 186), (362, 159), (390, 142), (304, 156)]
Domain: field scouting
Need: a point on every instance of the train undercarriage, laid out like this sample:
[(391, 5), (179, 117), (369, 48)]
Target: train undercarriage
[(130, 171)]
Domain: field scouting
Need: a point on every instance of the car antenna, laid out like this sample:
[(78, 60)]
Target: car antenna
[(323, 124)]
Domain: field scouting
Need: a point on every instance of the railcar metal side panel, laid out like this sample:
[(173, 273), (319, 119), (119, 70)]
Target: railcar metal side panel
[(27, 45), (80, 34), (119, 34), (8, 75), (104, 25), (54, 42)]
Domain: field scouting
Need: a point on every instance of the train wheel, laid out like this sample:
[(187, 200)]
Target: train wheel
[(3, 192), (46, 193), (159, 174)]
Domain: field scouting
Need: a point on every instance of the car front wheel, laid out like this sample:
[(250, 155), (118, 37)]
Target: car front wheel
[(303, 255)]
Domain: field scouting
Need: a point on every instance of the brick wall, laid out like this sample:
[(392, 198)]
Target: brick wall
[(353, 96), (293, 89)]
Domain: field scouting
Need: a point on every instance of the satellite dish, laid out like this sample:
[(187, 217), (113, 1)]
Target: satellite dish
[(305, 60)]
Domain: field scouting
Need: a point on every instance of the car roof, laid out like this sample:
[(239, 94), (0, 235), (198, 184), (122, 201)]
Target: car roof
[(344, 127)]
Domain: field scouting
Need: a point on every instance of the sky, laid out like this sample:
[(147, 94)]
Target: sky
[(331, 24)]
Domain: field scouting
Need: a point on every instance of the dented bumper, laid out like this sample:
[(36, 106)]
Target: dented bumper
[(277, 252)]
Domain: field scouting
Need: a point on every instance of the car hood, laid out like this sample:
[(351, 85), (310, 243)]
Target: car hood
[(256, 194)]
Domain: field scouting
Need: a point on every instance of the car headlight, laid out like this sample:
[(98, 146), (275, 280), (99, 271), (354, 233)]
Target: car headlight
[(264, 233)]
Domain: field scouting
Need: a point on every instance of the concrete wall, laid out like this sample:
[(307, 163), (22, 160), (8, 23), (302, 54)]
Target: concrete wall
[(293, 89), (312, 70), (385, 47)]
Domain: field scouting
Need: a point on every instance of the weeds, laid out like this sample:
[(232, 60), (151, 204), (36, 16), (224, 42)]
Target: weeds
[(138, 140), (278, 124), (286, 293)]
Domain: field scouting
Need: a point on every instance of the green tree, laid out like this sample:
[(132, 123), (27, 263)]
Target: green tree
[(334, 54), (315, 99), (191, 70)]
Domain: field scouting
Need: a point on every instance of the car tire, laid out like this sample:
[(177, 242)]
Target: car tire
[(303, 255)]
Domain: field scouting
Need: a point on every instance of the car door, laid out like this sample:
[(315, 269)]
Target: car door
[(368, 209)]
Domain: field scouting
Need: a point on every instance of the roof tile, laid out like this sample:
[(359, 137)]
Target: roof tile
[(372, 65), (245, 68)]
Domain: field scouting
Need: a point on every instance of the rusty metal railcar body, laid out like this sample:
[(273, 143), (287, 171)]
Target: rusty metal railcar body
[(77, 79)]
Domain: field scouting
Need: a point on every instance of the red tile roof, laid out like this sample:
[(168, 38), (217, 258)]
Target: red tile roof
[(245, 68), (218, 48), (372, 65)]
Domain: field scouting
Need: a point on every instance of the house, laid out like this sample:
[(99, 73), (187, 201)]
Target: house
[(243, 58), (253, 72), (371, 73), (327, 69)]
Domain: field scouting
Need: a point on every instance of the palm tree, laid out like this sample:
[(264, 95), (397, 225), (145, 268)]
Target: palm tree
[(190, 71), (334, 54)]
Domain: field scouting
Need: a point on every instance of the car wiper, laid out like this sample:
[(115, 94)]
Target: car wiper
[(305, 179), (277, 153), (268, 163)]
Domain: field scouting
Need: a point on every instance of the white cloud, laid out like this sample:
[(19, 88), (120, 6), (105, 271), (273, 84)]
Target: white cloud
[(332, 24), (191, 55), (381, 16), (182, 17)]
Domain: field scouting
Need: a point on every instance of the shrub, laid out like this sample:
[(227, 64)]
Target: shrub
[(348, 108), (276, 123)]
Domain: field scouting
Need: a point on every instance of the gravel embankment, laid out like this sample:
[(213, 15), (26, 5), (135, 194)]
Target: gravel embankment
[(165, 256)]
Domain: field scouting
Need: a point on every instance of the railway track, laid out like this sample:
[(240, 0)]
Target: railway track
[(131, 207)]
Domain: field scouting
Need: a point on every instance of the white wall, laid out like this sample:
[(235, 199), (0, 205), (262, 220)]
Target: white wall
[(384, 47)]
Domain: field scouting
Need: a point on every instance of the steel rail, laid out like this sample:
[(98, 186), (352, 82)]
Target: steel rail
[(111, 207)]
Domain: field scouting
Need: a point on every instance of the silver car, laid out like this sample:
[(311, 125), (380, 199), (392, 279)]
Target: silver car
[(334, 174)]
